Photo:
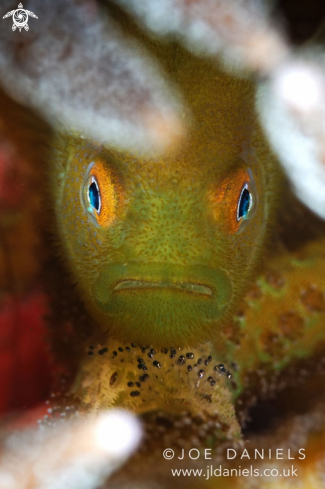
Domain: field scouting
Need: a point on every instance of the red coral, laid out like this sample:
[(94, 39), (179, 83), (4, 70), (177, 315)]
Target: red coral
[(25, 374)]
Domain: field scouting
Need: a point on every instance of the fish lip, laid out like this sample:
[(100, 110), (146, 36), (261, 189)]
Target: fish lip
[(191, 287)]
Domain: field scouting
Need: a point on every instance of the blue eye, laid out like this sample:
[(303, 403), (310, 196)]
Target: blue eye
[(245, 203), (94, 195)]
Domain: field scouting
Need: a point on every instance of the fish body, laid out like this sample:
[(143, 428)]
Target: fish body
[(162, 246)]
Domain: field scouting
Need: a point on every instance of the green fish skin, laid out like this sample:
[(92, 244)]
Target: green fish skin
[(166, 259)]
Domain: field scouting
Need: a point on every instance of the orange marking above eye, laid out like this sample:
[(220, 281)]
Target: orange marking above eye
[(103, 178), (225, 200)]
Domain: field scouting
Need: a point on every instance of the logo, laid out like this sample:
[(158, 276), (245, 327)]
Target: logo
[(20, 18)]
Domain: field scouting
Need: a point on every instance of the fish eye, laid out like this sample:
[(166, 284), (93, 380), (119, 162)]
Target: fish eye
[(235, 200), (245, 203), (94, 195), (99, 194)]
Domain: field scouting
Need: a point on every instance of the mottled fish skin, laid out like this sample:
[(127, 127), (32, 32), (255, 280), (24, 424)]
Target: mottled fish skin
[(166, 260)]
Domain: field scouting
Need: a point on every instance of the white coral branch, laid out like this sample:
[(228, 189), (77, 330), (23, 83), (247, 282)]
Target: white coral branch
[(69, 455), (78, 69)]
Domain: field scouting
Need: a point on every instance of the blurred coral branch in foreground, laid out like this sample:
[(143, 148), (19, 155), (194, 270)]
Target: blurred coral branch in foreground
[(72, 454)]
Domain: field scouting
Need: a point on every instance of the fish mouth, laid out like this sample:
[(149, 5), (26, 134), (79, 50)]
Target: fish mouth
[(193, 288)]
